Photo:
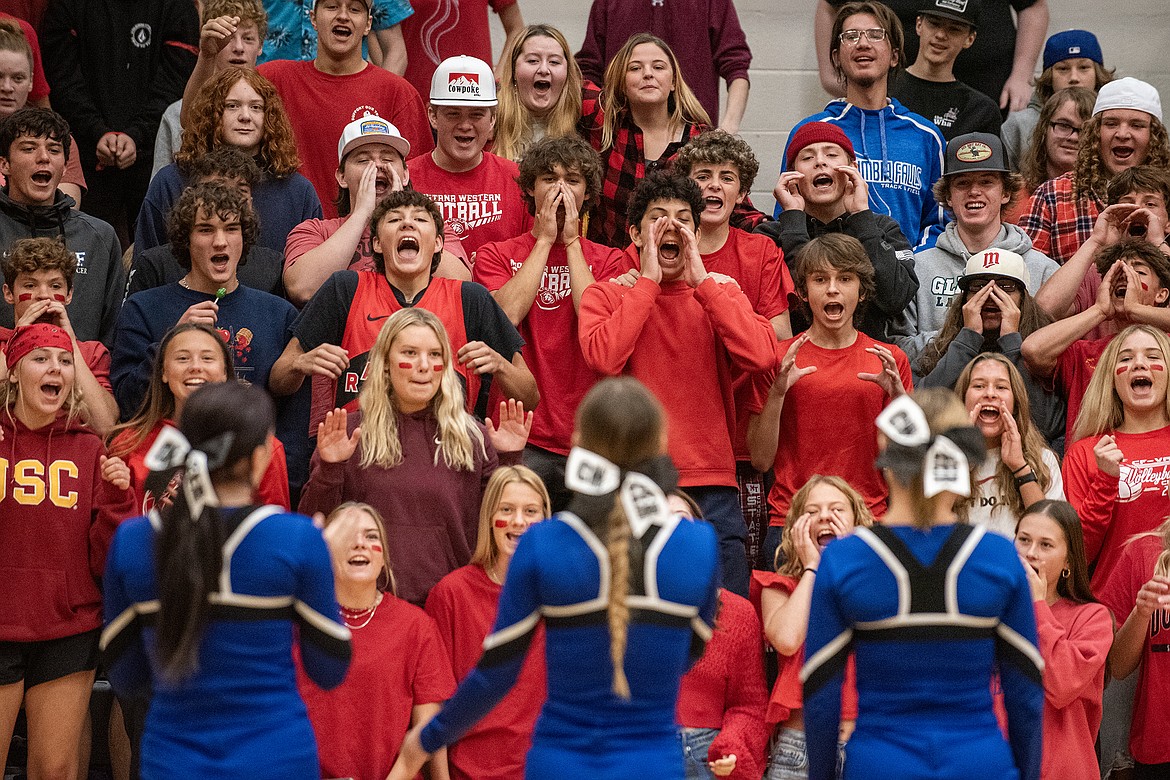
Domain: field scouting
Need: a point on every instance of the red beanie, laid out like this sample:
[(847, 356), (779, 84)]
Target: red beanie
[(817, 133), (40, 334)]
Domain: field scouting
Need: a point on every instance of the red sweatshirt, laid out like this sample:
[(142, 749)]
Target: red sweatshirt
[(464, 605), (1074, 641), (57, 517), (1114, 509), (682, 343), (725, 689)]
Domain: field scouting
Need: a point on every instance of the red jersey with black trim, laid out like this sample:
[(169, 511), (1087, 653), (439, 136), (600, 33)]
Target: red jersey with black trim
[(351, 307)]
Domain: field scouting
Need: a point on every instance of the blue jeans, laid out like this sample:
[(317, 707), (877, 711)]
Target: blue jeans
[(721, 509), (695, 744), (789, 758)]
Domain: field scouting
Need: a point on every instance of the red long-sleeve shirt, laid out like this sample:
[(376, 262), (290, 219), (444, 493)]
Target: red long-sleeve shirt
[(1074, 641), (1112, 509), (682, 344), (725, 689)]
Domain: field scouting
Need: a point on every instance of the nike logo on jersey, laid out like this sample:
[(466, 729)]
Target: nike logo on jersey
[(372, 318)]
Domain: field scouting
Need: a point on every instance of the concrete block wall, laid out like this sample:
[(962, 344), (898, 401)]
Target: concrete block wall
[(785, 87)]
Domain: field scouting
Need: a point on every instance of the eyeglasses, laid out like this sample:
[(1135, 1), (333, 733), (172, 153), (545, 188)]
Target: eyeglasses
[(852, 37), (1007, 285), (1063, 129)]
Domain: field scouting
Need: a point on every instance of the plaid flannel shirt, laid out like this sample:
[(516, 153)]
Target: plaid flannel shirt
[(623, 165), (1056, 221)]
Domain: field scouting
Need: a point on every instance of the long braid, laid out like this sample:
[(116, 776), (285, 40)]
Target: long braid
[(617, 543)]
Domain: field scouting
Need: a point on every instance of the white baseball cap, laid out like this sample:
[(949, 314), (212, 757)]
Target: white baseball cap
[(370, 129), (1129, 92), (994, 262), (463, 81)]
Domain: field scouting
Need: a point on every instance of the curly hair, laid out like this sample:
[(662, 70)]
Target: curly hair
[(513, 122), (211, 198), (29, 255), (572, 153), (1034, 162), (682, 105), (1091, 177), (247, 10), (228, 162), (663, 185), (278, 149), (719, 146)]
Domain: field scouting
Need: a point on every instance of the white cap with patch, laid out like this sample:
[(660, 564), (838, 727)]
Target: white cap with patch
[(1131, 93), (370, 129), (463, 81), (994, 262)]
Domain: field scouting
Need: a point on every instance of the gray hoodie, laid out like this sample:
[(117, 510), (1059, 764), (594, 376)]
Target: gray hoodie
[(938, 270), (1016, 131)]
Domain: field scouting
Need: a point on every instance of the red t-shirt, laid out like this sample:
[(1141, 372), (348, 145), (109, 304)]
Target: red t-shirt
[(1114, 509), (463, 605), (320, 105), (551, 348), (439, 29), (756, 263), (478, 206), (683, 344), (829, 405), (397, 663), (788, 692), (1074, 642), (1074, 369), (1151, 717), (273, 487)]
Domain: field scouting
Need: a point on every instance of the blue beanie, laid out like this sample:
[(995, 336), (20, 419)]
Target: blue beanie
[(1072, 43)]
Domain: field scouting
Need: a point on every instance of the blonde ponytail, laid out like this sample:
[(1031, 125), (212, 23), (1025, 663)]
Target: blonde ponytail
[(617, 543)]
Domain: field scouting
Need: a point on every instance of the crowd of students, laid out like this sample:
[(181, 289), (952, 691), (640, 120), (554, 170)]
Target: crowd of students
[(384, 301)]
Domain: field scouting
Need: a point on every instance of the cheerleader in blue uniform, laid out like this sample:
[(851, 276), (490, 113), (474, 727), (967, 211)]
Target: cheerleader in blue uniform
[(627, 592), (934, 611), (201, 600)]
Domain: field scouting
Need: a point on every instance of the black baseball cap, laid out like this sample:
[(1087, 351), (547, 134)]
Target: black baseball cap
[(975, 152), (964, 11)]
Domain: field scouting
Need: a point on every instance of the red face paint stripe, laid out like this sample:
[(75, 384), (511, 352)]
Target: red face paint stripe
[(1120, 370), (501, 523), (406, 365), (376, 548), (1156, 367), (437, 368), (25, 297)]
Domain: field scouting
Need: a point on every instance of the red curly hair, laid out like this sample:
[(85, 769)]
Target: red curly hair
[(278, 150)]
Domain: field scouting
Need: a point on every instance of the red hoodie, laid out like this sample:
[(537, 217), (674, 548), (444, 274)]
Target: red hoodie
[(57, 517)]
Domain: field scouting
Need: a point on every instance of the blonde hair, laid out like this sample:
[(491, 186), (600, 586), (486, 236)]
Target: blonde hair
[(1032, 443), (1101, 408), (787, 549), (513, 122), (621, 421), (74, 405), (1162, 565), (458, 432), (682, 104), (386, 582), (487, 552)]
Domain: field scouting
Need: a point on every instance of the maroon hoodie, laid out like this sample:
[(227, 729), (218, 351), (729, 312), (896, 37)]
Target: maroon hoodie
[(57, 517)]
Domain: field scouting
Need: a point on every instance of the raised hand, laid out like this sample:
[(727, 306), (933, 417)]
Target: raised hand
[(514, 428), (856, 189), (789, 374), (787, 191), (1109, 456), (1009, 311), (115, 471), (326, 359), (889, 378), (973, 309), (481, 358), (334, 445)]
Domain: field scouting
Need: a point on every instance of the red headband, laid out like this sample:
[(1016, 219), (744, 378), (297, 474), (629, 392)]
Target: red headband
[(41, 334)]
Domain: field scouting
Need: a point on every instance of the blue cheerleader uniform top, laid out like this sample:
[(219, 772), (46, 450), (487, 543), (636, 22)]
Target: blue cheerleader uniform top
[(560, 574), (934, 617)]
